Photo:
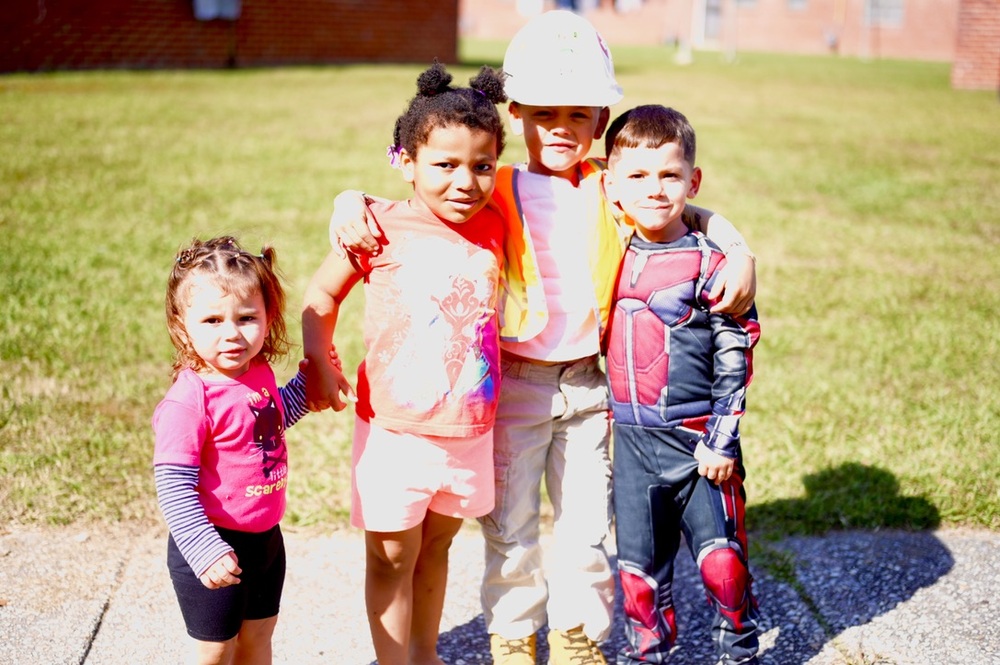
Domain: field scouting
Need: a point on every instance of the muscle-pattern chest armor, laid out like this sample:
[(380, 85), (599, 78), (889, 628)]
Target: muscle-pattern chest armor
[(659, 350)]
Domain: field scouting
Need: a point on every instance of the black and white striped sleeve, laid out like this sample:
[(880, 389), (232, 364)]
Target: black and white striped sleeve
[(293, 398), (196, 538)]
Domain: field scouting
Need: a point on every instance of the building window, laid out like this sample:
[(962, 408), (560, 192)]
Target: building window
[(797, 5), (884, 13)]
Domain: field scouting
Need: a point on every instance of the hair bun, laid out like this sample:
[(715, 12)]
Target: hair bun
[(434, 80), (490, 83)]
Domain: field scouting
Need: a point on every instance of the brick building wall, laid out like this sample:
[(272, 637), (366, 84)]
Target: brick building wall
[(38, 35), (977, 59), (926, 30), (921, 30)]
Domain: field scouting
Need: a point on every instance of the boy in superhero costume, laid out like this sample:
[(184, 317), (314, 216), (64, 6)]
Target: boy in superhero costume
[(678, 375)]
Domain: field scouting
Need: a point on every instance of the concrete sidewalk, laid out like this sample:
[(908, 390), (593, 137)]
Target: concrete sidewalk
[(102, 596)]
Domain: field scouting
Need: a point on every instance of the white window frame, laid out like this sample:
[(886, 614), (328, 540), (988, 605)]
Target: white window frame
[(885, 13)]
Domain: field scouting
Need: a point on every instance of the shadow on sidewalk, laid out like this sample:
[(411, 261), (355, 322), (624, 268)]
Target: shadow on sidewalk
[(862, 549), (858, 550)]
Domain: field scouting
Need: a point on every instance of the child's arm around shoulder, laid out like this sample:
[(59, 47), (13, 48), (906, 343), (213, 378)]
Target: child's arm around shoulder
[(353, 226), (736, 288)]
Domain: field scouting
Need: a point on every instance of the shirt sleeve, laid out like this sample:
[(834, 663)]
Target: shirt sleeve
[(733, 340), (718, 229), (196, 538), (180, 425), (293, 398)]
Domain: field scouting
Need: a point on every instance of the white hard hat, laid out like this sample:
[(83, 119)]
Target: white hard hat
[(559, 59)]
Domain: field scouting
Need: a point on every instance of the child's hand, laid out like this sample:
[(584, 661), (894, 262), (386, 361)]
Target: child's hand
[(712, 465), (352, 225), (736, 284), (335, 358), (325, 383), (222, 573), (340, 386)]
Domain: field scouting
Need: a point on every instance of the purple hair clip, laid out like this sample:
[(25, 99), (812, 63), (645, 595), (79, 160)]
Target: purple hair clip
[(392, 152)]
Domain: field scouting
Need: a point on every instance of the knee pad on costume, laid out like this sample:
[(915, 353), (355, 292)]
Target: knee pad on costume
[(650, 623), (640, 595), (726, 578)]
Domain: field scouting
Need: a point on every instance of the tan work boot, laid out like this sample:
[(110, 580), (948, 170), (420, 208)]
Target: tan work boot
[(512, 652), (573, 647)]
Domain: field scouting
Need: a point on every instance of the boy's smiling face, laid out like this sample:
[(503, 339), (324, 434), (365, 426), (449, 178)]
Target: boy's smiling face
[(558, 138), (652, 186)]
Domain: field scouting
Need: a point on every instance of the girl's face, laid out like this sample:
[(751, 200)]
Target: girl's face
[(226, 331), (454, 172)]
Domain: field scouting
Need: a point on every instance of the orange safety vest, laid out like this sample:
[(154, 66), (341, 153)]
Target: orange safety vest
[(522, 306)]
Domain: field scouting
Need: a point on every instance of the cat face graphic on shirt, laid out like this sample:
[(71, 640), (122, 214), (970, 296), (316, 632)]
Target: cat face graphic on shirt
[(268, 436)]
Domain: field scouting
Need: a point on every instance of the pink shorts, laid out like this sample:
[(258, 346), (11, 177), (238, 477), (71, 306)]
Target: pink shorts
[(398, 477)]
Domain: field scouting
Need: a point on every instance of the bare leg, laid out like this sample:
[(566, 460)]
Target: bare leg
[(430, 577), (390, 560), (214, 653), (253, 644)]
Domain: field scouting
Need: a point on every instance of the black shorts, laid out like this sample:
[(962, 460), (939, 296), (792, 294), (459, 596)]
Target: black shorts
[(216, 615)]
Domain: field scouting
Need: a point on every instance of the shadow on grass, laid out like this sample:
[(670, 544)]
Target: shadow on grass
[(849, 496)]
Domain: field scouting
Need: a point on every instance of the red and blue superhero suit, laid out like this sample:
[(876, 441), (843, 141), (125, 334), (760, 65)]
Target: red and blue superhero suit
[(678, 376)]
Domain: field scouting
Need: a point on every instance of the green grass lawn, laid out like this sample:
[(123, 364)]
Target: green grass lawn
[(867, 189)]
